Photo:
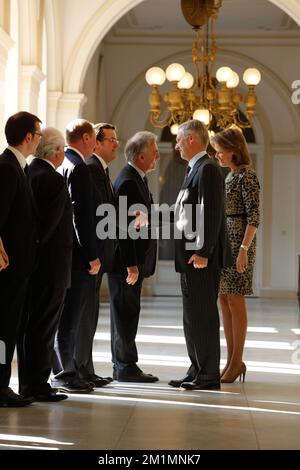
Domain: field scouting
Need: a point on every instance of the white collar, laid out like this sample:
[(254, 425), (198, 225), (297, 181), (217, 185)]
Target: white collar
[(103, 162), (140, 172), (77, 151), (19, 156), (196, 157)]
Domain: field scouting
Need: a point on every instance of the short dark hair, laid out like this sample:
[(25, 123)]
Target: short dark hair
[(99, 129), (232, 139), (76, 128), (18, 126)]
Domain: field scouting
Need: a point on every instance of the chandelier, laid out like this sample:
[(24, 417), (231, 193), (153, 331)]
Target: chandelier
[(214, 101)]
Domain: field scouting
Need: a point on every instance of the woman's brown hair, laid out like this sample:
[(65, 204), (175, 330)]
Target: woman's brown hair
[(233, 140)]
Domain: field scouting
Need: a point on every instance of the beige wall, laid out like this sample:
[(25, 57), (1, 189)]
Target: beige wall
[(70, 33)]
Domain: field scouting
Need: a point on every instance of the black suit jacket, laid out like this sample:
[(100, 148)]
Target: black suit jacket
[(142, 251), (17, 217), (102, 194), (55, 223), (202, 197), (79, 184)]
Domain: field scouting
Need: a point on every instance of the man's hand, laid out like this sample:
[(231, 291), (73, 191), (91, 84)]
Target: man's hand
[(95, 266), (141, 220), (133, 275), (198, 261)]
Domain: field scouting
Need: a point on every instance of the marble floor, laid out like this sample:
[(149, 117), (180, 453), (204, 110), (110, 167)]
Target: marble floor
[(262, 413)]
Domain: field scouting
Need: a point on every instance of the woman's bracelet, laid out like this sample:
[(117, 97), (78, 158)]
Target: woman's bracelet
[(244, 247)]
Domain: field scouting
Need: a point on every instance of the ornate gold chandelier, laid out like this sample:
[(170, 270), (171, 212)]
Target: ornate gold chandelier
[(215, 104)]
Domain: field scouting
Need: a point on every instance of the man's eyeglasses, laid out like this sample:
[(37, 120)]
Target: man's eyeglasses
[(38, 133), (112, 140)]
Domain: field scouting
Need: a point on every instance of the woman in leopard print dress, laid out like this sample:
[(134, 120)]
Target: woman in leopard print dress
[(242, 211)]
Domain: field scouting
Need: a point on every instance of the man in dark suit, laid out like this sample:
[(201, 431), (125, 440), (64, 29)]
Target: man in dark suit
[(19, 237), (201, 250), (137, 259), (106, 150), (52, 277), (81, 139)]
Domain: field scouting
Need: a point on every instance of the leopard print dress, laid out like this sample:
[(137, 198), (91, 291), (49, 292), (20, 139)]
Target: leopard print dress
[(242, 209)]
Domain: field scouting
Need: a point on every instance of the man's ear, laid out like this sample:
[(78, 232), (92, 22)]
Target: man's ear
[(28, 137)]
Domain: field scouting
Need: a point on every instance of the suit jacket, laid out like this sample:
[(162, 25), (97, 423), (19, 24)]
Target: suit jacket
[(55, 223), (17, 217), (79, 184), (142, 251), (102, 194), (200, 218)]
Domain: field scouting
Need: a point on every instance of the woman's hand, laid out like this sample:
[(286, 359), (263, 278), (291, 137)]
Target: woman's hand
[(242, 261), (4, 261)]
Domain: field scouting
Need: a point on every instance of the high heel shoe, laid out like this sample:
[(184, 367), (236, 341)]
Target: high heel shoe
[(223, 371), (232, 378)]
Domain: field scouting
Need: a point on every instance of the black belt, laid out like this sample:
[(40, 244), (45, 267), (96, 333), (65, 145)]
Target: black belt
[(237, 215)]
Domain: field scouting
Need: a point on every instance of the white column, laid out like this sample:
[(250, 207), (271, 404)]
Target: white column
[(31, 77), (69, 108), (5, 44), (52, 107)]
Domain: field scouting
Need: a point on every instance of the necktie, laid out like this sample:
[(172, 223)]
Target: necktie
[(187, 170), (108, 178), (145, 179)]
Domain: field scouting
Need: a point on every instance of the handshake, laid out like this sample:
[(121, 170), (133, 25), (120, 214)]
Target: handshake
[(4, 261)]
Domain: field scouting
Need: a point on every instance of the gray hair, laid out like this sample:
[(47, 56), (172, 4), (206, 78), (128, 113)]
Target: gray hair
[(51, 141), (198, 128), (137, 144)]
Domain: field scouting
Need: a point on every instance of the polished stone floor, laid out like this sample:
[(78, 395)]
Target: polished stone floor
[(262, 413)]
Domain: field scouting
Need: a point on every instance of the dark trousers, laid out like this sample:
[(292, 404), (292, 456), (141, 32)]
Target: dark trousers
[(37, 333), (125, 306), (87, 330), (12, 297), (81, 289), (201, 322)]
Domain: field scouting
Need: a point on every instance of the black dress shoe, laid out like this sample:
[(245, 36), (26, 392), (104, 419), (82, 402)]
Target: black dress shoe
[(203, 385), (178, 383), (94, 377), (50, 396), (139, 376), (98, 382), (73, 385), (8, 398)]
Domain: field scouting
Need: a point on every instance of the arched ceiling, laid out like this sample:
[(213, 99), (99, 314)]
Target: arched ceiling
[(159, 16)]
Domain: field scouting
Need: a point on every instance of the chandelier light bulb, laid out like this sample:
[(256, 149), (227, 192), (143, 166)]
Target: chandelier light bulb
[(186, 82), (175, 72), (234, 80), (155, 76), (202, 115), (174, 129), (224, 74), (252, 76)]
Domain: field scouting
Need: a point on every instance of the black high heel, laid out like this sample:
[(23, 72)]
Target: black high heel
[(241, 374)]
